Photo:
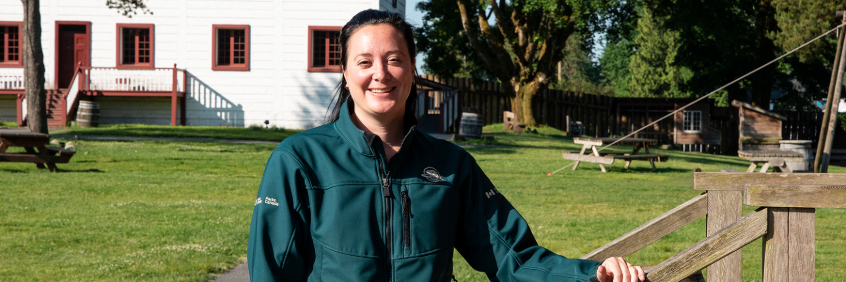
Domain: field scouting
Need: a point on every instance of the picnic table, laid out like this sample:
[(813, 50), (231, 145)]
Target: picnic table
[(35, 146), (607, 157), (775, 158)]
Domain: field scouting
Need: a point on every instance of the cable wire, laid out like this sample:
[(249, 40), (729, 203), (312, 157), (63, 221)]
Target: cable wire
[(712, 92)]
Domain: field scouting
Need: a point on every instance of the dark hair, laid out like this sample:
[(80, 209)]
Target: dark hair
[(365, 18)]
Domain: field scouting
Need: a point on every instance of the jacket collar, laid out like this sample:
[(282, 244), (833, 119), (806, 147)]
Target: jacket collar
[(360, 141)]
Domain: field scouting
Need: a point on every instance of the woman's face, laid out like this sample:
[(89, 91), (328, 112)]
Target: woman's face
[(379, 71)]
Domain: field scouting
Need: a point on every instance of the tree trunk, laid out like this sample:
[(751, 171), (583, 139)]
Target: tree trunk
[(33, 59), (521, 104)]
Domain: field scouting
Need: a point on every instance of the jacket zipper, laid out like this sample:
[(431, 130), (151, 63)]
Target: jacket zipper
[(386, 190), (406, 220)]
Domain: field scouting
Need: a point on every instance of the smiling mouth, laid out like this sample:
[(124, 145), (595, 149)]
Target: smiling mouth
[(384, 90)]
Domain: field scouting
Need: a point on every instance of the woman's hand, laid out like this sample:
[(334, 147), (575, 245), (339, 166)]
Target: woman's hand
[(616, 269)]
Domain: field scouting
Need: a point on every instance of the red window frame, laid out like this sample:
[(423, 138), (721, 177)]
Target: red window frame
[(7, 40), (230, 48), (142, 49), (326, 51)]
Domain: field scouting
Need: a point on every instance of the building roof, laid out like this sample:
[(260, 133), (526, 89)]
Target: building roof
[(739, 104)]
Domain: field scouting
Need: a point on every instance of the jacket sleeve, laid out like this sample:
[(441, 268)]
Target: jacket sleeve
[(277, 247), (495, 239)]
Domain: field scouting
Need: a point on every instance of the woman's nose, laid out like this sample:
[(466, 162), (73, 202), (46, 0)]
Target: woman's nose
[(380, 72)]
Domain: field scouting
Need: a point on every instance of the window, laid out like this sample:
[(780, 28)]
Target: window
[(10, 44), (135, 46), (324, 49), (692, 121), (231, 47), (394, 3)]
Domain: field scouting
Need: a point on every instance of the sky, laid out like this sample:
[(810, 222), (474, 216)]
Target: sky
[(415, 17)]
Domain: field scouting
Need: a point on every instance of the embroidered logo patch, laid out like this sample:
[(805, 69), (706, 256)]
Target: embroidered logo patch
[(431, 174)]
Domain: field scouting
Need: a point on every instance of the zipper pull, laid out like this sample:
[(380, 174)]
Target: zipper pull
[(386, 189)]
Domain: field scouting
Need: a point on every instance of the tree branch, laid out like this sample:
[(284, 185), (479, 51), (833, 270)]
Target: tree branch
[(500, 68)]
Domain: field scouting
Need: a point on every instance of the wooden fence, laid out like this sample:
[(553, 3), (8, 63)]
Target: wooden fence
[(785, 220), (603, 115)]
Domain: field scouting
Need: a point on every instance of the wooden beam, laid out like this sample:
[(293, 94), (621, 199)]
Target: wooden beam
[(737, 181), (588, 158), (797, 196), (653, 230), (711, 249)]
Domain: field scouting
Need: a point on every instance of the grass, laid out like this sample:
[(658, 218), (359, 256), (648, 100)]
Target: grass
[(254, 132), (180, 211)]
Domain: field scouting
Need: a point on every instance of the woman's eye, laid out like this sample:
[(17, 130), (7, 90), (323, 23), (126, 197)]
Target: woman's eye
[(363, 63)]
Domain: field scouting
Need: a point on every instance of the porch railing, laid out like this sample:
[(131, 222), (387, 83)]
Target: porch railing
[(11, 78), (145, 80)]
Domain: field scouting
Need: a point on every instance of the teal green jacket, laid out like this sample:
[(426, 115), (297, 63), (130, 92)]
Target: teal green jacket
[(331, 208)]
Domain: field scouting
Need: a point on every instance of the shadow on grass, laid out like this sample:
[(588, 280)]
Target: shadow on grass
[(711, 161), (80, 170)]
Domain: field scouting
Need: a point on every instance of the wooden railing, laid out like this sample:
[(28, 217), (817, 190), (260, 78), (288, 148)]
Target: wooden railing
[(785, 219), (11, 78), (143, 80)]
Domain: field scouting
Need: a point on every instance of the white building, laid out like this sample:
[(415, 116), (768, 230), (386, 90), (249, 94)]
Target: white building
[(237, 63)]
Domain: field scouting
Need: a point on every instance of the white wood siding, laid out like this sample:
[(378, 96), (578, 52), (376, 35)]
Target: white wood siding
[(277, 87)]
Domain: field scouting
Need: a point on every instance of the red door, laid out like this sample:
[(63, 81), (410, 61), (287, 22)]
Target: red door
[(73, 50)]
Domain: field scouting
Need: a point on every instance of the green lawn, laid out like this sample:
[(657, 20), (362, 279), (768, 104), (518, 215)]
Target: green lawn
[(180, 211), (250, 133)]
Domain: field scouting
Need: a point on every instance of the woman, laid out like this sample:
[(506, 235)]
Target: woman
[(368, 198)]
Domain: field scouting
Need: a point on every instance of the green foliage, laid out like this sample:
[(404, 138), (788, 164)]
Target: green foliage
[(655, 69), (255, 132), (842, 118), (578, 73), (614, 66), (442, 39), (802, 20)]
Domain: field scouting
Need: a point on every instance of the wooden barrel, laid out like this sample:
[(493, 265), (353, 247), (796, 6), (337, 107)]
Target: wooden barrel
[(799, 146), (88, 114), (471, 126)]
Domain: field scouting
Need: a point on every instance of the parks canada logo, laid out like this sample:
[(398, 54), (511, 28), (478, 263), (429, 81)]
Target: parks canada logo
[(431, 174)]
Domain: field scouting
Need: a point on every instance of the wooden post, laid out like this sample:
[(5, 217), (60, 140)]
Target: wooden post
[(832, 120), (835, 84), (800, 244), (173, 100), (724, 208), (775, 246), (184, 96), (789, 245)]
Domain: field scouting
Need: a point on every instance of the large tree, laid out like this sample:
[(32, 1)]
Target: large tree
[(33, 57), (517, 42), (655, 71)]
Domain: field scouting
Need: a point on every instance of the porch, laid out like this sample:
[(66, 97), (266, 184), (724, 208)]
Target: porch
[(89, 83)]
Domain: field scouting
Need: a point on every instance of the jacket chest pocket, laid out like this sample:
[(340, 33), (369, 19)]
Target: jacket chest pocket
[(429, 217)]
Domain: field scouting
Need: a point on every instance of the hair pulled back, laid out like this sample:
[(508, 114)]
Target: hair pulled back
[(362, 19)]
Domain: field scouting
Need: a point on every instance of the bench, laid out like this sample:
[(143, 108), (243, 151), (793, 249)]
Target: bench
[(34, 145), (601, 153), (643, 157)]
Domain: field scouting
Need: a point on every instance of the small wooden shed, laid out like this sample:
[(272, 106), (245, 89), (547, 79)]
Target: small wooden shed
[(692, 126), (759, 129)]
